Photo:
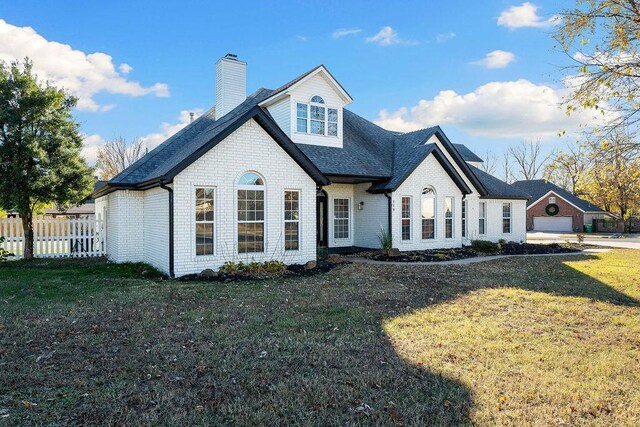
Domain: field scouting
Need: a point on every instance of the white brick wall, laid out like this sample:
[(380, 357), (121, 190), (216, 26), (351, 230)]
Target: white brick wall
[(429, 173), (249, 148), (156, 228), (373, 217), (494, 220), (125, 227)]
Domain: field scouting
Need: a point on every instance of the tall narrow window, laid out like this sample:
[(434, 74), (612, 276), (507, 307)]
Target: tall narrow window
[(506, 218), (302, 115), (251, 213), (406, 218), (464, 218), (482, 222), (204, 221), (291, 220), (317, 117), (340, 218), (448, 217), (428, 211), (332, 122)]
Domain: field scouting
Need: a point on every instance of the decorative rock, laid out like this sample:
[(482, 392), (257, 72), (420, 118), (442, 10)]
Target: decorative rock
[(335, 259), (310, 265), (208, 273)]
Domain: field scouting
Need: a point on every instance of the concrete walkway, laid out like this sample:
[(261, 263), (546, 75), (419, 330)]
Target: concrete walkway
[(466, 261)]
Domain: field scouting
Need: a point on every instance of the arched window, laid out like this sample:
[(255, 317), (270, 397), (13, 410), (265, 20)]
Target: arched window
[(251, 215), (316, 118), (428, 211)]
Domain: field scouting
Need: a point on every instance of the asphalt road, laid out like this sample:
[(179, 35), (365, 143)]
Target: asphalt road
[(628, 242)]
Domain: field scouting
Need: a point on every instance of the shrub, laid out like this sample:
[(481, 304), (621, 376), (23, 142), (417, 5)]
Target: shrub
[(231, 267), (580, 238), (384, 238), (254, 267), (274, 266), (4, 254), (485, 246), (502, 242), (322, 252)]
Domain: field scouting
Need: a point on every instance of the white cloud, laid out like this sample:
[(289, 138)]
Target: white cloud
[(441, 38), (525, 15), (511, 109), (93, 142), (387, 36), (301, 38), (341, 32), (496, 59), (83, 75)]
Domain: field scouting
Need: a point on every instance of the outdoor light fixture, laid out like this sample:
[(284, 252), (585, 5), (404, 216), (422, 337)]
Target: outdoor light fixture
[(360, 206)]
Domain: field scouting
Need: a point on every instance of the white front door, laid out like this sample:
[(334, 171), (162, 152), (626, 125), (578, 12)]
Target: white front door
[(552, 223)]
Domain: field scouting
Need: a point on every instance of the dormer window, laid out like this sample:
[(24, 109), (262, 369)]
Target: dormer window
[(316, 118)]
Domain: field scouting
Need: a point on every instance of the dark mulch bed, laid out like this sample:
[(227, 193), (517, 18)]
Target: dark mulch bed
[(438, 255), (293, 270)]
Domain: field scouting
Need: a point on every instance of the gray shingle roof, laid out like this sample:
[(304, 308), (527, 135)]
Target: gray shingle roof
[(497, 188), (386, 158), (539, 187)]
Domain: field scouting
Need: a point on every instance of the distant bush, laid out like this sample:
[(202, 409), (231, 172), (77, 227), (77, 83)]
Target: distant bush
[(502, 242), (253, 268), (4, 254), (322, 252), (485, 246), (580, 238)]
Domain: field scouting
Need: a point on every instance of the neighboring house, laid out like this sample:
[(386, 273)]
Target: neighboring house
[(551, 208), (278, 173)]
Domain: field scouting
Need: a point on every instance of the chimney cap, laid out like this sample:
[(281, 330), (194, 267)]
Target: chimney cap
[(231, 56)]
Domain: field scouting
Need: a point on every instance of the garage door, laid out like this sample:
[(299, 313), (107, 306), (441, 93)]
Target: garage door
[(553, 223)]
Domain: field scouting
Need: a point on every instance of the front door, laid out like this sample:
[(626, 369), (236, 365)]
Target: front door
[(322, 215)]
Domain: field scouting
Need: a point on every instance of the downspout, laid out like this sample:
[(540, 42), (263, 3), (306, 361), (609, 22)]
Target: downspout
[(389, 209), (466, 222), (170, 190)]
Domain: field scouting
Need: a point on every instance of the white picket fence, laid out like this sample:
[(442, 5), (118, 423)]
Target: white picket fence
[(56, 237)]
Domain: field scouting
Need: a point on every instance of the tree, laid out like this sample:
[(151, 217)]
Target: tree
[(567, 167), (529, 159), (40, 159), (489, 163), (602, 39), (613, 179), (115, 156), (507, 169)]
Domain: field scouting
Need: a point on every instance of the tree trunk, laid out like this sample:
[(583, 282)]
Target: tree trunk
[(27, 225)]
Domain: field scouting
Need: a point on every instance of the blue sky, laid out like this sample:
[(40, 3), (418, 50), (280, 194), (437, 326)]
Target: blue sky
[(424, 50)]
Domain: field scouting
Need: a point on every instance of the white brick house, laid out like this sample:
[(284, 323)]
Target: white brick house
[(281, 172)]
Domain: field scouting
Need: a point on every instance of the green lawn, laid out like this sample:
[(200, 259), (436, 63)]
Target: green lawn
[(520, 341)]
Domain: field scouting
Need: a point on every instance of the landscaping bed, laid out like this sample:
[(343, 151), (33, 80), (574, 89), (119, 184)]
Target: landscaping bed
[(439, 255), (248, 274)]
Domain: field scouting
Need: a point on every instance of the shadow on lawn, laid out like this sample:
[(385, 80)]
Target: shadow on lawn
[(292, 352)]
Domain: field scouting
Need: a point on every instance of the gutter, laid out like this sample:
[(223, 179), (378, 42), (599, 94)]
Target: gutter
[(389, 209), (171, 259)]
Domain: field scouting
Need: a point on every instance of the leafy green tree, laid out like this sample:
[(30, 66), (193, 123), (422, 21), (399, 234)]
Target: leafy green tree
[(40, 160), (603, 39)]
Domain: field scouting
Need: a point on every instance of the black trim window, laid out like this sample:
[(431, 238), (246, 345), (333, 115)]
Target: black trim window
[(464, 218), (428, 212), (316, 118), (448, 217), (506, 218), (291, 220), (204, 221), (482, 220), (251, 213), (340, 218), (406, 218)]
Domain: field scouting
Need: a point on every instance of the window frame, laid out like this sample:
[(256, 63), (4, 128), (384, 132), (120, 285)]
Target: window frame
[(449, 219), (325, 121), (291, 221), (334, 219), (507, 218), (465, 210), (404, 218), (254, 187), (482, 218), (433, 197), (213, 221)]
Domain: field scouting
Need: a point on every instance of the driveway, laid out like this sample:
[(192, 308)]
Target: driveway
[(631, 241)]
